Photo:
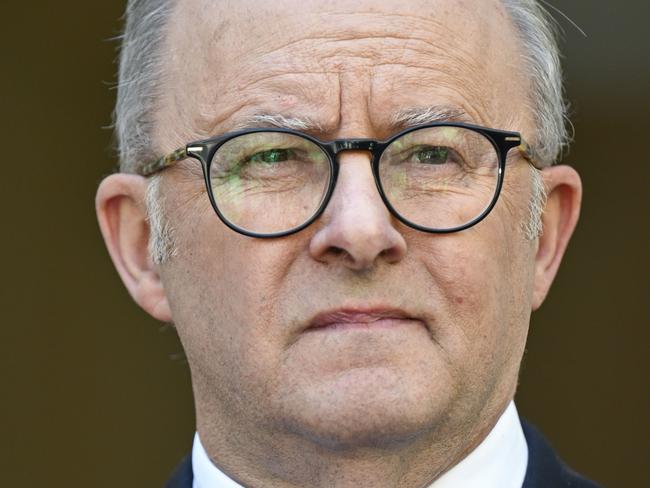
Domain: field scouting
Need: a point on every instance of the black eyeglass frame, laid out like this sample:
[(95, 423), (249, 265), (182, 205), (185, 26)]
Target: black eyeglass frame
[(204, 151)]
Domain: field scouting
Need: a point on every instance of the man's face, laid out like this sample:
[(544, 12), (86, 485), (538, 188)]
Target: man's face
[(448, 313)]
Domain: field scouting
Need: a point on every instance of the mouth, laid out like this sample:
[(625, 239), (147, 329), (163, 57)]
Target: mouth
[(362, 319)]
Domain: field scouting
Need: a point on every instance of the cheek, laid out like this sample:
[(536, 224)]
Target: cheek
[(223, 289), (467, 280), (481, 284)]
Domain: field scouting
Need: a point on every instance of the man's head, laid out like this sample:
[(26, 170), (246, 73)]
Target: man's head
[(448, 313)]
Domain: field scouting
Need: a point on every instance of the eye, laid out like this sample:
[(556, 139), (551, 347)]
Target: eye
[(271, 156), (434, 155)]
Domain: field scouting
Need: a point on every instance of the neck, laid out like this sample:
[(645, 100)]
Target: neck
[(279, 459)]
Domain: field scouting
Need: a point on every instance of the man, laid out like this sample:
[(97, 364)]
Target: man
[(362, 215)]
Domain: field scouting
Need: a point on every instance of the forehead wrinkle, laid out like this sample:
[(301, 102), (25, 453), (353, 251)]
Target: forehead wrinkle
[(348, 38), (262, 104), (427, 36), (443, 96), (345, 27), (279, 73), (393, 50), (211, 116), (474, 97)]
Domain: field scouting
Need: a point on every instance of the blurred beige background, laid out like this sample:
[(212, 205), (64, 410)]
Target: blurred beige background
[(96, 394)]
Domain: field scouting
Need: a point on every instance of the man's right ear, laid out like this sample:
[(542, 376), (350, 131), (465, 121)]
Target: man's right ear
[(122, 215)]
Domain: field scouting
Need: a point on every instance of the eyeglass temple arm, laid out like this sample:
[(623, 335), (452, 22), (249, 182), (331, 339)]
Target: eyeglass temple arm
[(530, 155), (164, 162)]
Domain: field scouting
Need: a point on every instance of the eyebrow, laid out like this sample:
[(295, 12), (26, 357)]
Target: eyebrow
[(403, 119), (281, 122)]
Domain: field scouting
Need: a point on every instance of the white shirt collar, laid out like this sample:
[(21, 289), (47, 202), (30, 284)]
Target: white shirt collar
[(500, 461)]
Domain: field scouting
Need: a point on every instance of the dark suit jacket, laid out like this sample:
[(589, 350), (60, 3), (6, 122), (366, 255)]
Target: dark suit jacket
[(545, 469)]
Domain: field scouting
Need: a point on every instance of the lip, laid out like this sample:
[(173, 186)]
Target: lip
[(361, 318)]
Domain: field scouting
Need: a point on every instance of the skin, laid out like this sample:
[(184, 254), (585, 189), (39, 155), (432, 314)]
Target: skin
[(276, 405)]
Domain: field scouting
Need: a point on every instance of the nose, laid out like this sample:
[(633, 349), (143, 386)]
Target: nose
[(356, 229)]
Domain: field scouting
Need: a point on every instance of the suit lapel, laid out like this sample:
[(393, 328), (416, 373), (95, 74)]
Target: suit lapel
[(182, 476), (545, 469)]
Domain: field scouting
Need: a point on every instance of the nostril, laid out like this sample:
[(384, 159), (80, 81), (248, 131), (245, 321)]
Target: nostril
[(392, 254)]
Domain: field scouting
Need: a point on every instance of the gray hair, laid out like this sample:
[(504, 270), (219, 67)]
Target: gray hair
[(140, 80), (141, 77), (537, 32), (162, 244)]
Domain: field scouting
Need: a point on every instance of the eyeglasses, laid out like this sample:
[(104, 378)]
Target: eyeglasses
[(438, 178)]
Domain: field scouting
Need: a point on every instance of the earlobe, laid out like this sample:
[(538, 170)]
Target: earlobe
[(122, 216), (559, 220)]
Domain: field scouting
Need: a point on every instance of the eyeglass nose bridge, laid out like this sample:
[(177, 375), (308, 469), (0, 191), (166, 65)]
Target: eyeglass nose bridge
[(371, 145), (354, 145)]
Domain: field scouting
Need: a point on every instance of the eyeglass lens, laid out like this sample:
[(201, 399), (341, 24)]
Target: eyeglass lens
[(438, 177), (269, 182)]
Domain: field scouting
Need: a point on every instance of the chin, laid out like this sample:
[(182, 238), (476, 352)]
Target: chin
[(365, 407)]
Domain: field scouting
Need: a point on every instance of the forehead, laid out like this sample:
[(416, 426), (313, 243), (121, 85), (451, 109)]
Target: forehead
[(337, 63)]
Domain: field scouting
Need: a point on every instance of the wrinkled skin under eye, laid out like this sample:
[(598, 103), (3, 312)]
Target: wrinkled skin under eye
[(424, 165), (265, 169)]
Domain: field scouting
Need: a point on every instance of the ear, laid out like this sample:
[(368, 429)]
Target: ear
[(564, 190), (122, 215)]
